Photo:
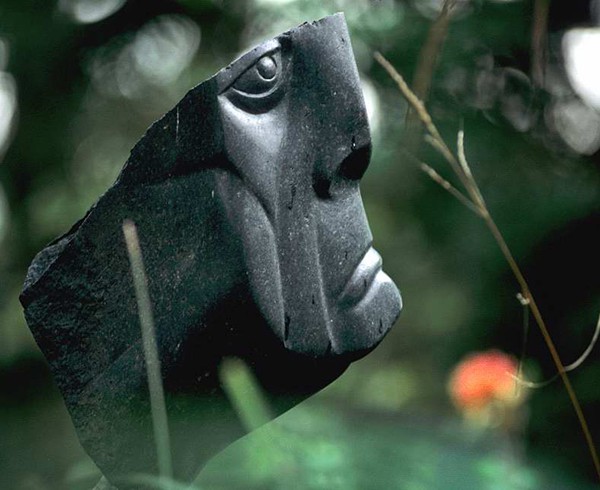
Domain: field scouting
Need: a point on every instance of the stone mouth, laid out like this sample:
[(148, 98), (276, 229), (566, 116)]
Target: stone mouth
[(362, 278)]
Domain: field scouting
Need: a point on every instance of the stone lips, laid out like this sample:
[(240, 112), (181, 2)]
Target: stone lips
[(363, 277)]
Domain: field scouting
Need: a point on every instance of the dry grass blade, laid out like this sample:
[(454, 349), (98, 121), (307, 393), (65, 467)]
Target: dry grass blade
[(431, 50), (410, 96), (525, 304), (245, 394), (428, 58), (157, 397), (444, 184), (435, 138), (538, 40), (587, 351), (460, 166), (570, 367), (473, 188)]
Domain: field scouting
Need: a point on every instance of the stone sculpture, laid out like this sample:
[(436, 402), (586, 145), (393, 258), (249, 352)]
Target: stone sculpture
[(256, 245)]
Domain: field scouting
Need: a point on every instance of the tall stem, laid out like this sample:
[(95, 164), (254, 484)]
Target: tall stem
[(526, 292)]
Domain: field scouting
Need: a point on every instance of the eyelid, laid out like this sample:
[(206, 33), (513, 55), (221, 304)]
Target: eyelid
[(261, 95), (228, 75), (251, 84)]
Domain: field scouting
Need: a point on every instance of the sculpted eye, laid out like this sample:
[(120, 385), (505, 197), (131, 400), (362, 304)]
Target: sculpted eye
[(260, 78), (260, 87), (267, 67)]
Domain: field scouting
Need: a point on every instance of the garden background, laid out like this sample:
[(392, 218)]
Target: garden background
[(81, 80)]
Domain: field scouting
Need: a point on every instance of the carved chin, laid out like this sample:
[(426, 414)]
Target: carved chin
[(358, 327)]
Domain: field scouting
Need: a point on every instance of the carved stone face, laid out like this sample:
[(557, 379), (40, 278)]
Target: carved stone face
[(256, 245), (296, 131)]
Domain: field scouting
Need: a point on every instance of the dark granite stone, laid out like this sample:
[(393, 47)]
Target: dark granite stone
[(256, 245)]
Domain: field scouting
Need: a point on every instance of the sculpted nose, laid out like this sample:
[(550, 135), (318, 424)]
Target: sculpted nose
[(346, 165), (355, 164), (329, 107)]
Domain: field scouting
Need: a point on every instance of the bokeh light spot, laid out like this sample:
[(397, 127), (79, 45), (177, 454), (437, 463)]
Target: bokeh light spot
[(8, 109), (90, 11), (157, 55), (580, 50), (577, 124), (164, 48)]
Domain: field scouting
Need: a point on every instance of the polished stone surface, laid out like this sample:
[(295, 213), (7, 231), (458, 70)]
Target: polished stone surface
[(256, 245)]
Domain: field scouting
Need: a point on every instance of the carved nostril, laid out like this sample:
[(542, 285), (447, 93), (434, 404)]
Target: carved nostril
[(355, 164), (328, 181), (322, 186), (352, 168)]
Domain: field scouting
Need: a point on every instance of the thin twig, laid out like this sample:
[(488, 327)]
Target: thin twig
[(525, 304), (424, 116), (462, 170), (570, 367), (473, 187), (447, 186), (425, 68), (443, 183), (538, 40), (412, 99), (431, 49), (442, 149), (532, 385), (547, 338), (587, 351), (155, 386)]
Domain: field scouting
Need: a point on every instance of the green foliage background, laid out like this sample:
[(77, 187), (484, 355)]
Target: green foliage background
[(85, 95)]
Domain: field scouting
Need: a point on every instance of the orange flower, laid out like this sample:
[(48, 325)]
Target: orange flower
[(482, 379)]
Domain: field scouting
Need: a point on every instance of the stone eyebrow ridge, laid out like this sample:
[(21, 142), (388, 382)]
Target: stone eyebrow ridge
[(230, 73)]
